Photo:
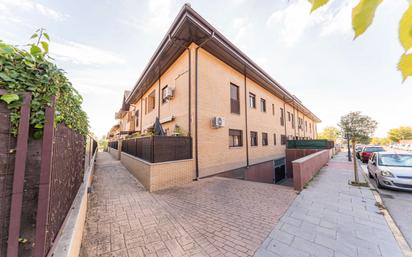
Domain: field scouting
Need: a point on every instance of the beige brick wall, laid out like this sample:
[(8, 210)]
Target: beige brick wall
[(139, 169), (169, 174), (214, 78), (215, 155), (175, 77), (113, 152), (158, 176)]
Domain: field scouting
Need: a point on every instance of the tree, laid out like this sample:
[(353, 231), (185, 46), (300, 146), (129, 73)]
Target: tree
[(362, 17), (357, 127), (380, 141), (329, 133), (103, 143), (401, 133)]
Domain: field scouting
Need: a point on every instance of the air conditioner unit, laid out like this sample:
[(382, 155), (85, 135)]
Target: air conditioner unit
[(218, 122), (167, 93)]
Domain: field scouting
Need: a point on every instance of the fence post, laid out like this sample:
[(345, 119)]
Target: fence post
[(119, 149), (18, 178), (44, 182)]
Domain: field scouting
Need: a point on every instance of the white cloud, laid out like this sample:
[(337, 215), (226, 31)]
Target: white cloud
[(83, 54), (295, 19), (156, 18), (243, 26), (9, 6)]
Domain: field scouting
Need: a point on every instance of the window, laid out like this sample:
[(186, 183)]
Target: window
[(274, 139), (288, 116), (234, 99), (252, 100), (306, 126), (282, 117), (164, 98), (264, 138), (253, 138), (137, 118), (283, 140), (273, 109), (262, 105), (293, 120), (151, 101), (235, 138), (310, 127)]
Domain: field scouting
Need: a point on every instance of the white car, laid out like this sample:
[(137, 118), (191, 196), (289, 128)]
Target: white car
[(391, 170)]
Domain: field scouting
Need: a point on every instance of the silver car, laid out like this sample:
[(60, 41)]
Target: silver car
[(391, 170)]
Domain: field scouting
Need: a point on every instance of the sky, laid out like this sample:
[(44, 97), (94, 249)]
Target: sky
[(105, 45)]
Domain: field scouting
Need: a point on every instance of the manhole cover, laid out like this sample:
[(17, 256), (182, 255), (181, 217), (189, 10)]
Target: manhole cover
[(387, 196)]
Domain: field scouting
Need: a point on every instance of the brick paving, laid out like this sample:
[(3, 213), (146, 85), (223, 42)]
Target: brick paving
[(332, 218), (211, 217)]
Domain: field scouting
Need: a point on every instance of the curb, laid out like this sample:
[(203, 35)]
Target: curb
[(400, 239)]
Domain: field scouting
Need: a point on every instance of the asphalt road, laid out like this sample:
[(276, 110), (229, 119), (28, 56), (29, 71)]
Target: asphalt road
[(399, 205)]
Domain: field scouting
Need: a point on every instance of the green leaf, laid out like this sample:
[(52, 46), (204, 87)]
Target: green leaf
[(35, 49), (317, 3), (38, 126), (8, 98), (405, 29), (45, 46), (38, 134), (46, 36), (405, 66), (5, 77), (4, 48), (35, 35), (362, 15)]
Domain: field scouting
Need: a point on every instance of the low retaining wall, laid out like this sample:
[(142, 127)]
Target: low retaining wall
[(161, 175), (68, 242), (304, 169), (114, 153)]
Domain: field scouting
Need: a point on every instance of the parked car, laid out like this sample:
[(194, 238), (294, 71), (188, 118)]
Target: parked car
[(391, 170), (368, 150), (358, 149)]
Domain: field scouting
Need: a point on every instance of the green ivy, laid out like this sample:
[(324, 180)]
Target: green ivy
[(33, 71)]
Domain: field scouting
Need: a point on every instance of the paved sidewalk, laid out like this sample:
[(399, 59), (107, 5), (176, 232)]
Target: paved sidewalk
[(211, 217), (332, 218)]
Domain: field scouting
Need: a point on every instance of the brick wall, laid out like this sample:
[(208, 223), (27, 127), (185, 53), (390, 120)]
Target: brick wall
[(304, 169), (158, 176)]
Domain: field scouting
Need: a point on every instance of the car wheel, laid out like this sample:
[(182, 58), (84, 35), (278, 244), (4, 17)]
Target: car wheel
[(380, 186)]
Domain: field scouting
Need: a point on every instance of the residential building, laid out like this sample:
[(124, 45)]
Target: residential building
[(237, 115)]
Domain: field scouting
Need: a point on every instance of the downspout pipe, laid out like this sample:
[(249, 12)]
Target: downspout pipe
[(196, 101), (246, 127)]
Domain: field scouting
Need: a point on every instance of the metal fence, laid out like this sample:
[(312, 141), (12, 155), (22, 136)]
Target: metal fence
[(7, 156), (66, 177), (39, 180), (159, 148), (113, 144)]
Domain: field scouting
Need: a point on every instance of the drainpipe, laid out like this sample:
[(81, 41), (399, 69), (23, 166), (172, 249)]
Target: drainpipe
[(196, 102), (294, 117), (284, 119), (190, 83), (158, 100), (246, 134), (141, 115)]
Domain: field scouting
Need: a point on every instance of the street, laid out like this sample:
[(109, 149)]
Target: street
[(399, 205)]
